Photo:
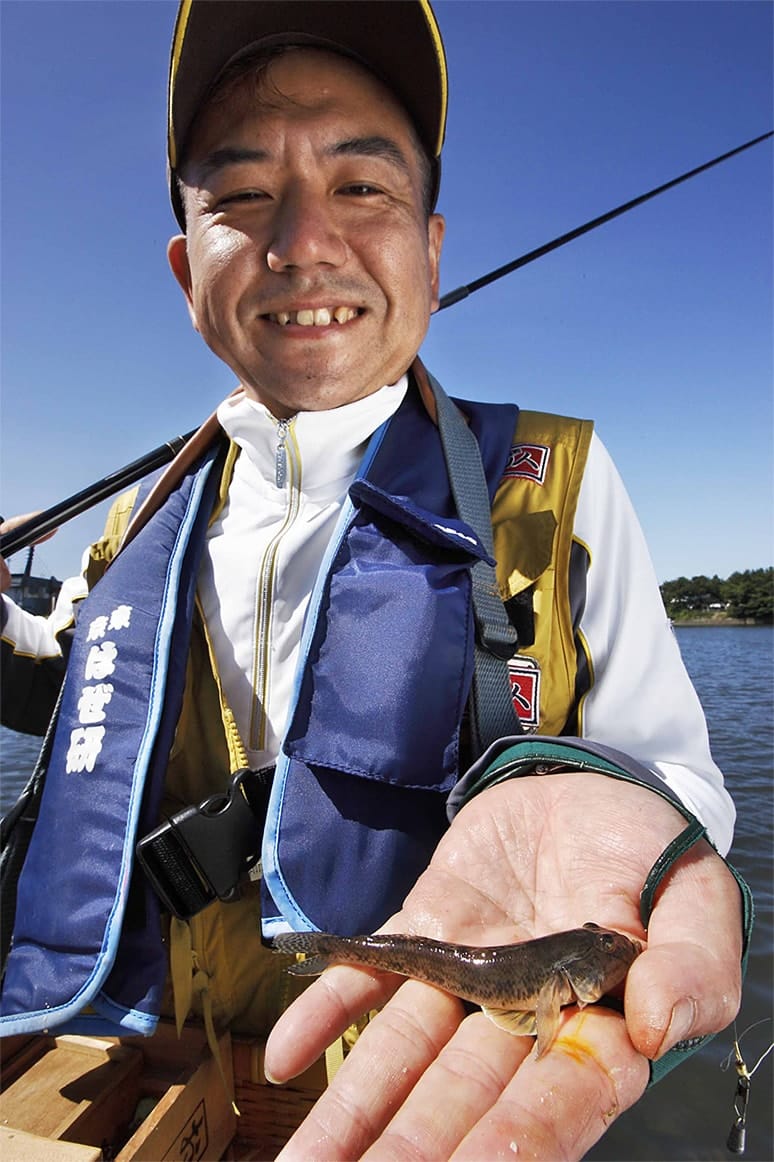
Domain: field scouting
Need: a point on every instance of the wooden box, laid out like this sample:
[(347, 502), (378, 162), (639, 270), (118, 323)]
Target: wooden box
[(155, 1100), (77, 1089)]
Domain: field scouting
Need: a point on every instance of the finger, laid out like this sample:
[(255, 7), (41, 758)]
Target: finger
[(465, 1081), (688, 982), (321, 1014), (377, 1076), (14, 522), (559, 1106)]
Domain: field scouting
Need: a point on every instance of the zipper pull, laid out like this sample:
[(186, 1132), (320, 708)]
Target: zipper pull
[(281, 456)]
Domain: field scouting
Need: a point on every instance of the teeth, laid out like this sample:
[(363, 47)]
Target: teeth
[(318, 317)]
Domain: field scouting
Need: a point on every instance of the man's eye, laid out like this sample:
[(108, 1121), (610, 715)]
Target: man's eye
[(239, 196), (359, 189)]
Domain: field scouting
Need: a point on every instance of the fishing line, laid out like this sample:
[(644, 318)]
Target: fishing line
[(726, 1063), (736, 1141)]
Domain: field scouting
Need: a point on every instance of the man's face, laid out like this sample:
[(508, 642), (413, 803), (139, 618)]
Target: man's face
[(309, 265)]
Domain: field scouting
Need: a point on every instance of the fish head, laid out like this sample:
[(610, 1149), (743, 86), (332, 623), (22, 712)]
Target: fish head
[(603, 963)]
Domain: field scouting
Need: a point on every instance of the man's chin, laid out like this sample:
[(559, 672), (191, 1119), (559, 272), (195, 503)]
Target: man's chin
[(312, 395)]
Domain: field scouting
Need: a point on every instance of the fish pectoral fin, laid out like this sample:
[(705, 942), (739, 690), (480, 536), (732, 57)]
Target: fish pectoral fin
[(516, 1021), (584, 994), (549, 1003)]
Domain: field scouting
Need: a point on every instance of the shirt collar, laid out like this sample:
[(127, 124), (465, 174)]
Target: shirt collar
[(330, 443)]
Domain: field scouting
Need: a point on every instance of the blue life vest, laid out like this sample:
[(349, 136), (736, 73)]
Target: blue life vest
[(370, 753)]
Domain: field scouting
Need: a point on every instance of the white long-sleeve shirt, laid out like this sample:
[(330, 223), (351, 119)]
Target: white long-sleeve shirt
[(641, 700), (265, 548)]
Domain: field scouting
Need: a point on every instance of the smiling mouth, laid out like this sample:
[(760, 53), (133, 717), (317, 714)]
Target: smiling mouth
[(317, 317)]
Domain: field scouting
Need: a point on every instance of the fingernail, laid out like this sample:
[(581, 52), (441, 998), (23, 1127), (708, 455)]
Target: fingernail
[(681, 1024)]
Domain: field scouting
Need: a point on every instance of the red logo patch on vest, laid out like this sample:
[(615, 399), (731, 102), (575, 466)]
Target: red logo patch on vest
[(524, 675), (528, 462)]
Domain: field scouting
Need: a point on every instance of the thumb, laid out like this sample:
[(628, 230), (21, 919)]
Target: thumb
[(688, 982), (679, 991)]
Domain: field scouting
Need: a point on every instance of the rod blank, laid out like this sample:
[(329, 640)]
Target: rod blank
[(45, 522)]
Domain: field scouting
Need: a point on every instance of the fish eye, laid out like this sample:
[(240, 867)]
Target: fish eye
[(608, 942)]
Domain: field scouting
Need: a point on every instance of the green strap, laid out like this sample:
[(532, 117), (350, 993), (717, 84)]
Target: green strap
[(672, 852), (678, 847)]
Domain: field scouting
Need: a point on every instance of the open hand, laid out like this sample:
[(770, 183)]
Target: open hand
[(525, 858)]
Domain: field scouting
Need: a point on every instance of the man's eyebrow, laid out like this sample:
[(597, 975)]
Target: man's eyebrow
[(225, 156), (372, 146)]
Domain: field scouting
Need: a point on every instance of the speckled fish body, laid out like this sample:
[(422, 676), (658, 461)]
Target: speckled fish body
[(521, 987)]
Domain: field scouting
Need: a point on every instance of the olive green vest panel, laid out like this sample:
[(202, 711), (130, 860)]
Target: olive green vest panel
[(532, 523)]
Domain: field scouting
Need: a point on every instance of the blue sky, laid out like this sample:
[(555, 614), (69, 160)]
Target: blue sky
[(658, 326)]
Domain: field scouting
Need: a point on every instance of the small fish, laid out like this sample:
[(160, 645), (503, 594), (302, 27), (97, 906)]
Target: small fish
[(520, 987)]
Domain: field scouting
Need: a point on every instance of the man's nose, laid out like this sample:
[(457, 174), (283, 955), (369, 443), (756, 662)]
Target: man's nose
[(305, 234)]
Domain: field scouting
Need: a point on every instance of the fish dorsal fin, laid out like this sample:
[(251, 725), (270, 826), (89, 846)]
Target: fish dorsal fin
[(519, 1022)]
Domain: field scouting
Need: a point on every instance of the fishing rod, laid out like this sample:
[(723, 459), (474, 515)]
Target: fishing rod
[(49, 521), (462, 292), (45, 522)]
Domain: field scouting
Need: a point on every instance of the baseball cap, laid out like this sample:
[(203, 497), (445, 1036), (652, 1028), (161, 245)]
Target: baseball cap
[(399, 41)]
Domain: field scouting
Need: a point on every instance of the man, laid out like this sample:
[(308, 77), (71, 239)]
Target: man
[(329, 560)]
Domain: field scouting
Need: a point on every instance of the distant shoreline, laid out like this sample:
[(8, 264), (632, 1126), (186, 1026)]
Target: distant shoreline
[(716, 620)]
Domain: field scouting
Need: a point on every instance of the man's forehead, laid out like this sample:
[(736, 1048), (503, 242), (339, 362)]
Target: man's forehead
[(298, 87), (299, 80)]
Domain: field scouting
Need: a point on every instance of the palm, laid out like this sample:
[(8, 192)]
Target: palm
[(536, 857), (529, 857)]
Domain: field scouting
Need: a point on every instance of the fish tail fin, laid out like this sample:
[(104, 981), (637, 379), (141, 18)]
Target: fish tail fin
[(291, 943), (306, 945), (309, 966)]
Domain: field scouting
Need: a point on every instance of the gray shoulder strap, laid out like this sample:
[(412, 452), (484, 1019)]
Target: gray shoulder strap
[(491, 706)]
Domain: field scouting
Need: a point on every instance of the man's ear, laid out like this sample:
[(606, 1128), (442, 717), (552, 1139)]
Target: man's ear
[(436, 228), (177, 256)]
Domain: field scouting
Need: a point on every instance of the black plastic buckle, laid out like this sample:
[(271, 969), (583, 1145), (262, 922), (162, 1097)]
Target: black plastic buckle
[(202, 853)]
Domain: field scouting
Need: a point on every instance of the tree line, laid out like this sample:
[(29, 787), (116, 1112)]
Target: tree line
[(748, 596)]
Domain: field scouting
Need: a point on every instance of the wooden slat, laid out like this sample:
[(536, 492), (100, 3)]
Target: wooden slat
[(80, 1089), (193, 1120), (19, 1146), (18, 1053)]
